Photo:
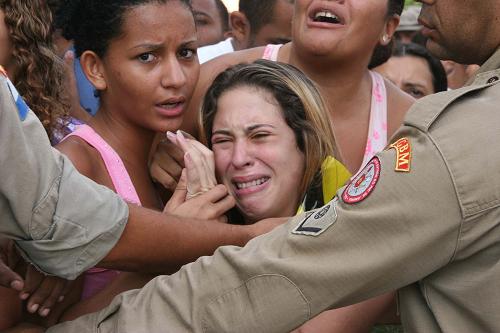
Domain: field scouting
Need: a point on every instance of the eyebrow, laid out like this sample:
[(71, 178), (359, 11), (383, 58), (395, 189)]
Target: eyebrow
[(256, 126), (248, 129), (152, 46), (147, 46), (200, 13), (414, 84)]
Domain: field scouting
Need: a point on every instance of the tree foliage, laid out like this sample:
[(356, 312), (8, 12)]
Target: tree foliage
[(410, 2)]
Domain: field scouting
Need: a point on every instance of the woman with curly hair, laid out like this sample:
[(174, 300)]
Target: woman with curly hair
[(27, 54)]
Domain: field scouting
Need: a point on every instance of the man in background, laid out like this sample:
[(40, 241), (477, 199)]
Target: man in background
[(212, 21), (256, 23)]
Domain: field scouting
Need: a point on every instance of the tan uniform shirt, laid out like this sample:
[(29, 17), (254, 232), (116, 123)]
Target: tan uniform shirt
[(62, 221), (422, 217)]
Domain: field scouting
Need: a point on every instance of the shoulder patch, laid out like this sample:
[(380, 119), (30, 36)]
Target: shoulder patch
[(316, 222), (403, 154), (363, 184), (22, 108)]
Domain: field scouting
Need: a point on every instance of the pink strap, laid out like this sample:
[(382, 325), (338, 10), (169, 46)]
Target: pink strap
[(114, 164), (271, 52), (377, 131)]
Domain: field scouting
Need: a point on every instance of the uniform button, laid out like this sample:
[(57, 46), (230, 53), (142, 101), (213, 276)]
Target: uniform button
[(493, 79)]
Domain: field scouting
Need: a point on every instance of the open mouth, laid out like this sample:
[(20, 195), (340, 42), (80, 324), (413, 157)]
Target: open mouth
[(326, 16), (249, 184), (170, 105)]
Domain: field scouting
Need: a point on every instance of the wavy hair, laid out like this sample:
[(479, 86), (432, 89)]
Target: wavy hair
[(303, 108), (39, 72)]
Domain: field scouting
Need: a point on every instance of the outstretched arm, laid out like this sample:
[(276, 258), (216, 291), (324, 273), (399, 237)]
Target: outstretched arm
[(335, 256)]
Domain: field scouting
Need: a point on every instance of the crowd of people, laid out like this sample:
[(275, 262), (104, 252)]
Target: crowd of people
[(226, 126)]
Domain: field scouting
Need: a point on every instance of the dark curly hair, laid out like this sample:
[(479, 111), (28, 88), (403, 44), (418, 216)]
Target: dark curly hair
[(39, 72), (92, 24)]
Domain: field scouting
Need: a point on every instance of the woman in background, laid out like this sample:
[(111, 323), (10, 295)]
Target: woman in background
[(28, 56), (414, 70)]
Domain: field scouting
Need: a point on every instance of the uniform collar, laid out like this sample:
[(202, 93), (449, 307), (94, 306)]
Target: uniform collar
[(489, 71)]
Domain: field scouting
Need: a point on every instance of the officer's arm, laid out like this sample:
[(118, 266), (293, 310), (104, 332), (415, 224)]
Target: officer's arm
[(61, 221), (404, 229), (65, 223), (155, 242)]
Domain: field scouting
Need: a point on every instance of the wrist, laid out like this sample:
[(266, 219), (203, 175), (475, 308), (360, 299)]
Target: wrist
[(245, 233)]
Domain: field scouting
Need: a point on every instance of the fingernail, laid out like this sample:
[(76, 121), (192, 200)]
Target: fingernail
[(33, 308), (17, 285), (60, 299), (24, 296), (44, 312), (179, 133), (186, 134), (170, 136)]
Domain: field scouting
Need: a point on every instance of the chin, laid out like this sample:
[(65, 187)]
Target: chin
[(171, 125), (319, 48), (253, 214)]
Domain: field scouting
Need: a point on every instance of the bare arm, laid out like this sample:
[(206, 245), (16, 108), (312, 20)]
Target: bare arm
[(157, 242), (208, 72)]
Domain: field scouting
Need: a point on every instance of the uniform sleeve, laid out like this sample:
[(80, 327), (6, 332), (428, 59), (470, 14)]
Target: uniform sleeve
[(62, 221), (388, 232)]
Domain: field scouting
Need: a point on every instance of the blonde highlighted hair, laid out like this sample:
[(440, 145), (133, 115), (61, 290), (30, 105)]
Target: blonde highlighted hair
[(304, 110)]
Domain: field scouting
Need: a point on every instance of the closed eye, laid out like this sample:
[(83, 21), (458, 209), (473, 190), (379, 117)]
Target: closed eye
[(219, 140), (260, 135)]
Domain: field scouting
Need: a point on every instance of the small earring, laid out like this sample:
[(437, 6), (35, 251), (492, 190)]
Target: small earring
[(386, 39)]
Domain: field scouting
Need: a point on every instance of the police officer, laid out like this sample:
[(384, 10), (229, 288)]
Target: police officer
[(64, 223), (422, 217)]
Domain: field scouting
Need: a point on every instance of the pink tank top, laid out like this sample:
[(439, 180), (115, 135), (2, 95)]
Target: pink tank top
[(271, 52), (377, 130), (95, 279)]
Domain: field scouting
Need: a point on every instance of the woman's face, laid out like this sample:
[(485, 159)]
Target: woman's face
[(410, 73), (256, 154), (151, 70), (344, 29), (5, 44)]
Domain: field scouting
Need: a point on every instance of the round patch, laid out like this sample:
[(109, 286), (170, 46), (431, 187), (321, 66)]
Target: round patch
[(364, 183)]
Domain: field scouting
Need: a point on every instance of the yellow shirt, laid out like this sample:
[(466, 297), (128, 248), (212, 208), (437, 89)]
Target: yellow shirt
[(334, 175)]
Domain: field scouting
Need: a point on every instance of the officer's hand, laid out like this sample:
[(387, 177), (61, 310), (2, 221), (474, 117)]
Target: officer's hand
[(199, 163), (42, 292), (167, 164), (9, 259), (210, 205), (264, 226)]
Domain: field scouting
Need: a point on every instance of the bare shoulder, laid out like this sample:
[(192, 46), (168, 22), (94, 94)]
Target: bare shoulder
[(208, 73), (82, 155), (398, 104), (212, 68)]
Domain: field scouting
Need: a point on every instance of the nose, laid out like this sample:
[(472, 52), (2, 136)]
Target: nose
[(242, 155), (173, 75)]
